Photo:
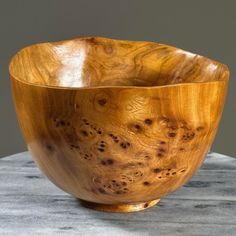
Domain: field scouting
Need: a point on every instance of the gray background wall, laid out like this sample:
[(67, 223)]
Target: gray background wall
[(206, 27)]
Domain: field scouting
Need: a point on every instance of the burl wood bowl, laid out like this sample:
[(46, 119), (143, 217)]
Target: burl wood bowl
[(118, 124)]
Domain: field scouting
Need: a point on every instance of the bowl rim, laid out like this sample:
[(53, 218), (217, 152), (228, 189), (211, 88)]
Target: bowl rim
[(225, 75)]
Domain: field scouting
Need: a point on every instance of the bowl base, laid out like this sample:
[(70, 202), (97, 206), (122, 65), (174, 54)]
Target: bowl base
[(119, 207)]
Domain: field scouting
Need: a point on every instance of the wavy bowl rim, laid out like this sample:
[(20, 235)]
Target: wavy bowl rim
[(225, 74)]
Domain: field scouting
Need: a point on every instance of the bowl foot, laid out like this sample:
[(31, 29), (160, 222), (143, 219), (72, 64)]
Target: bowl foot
[(120, 207)]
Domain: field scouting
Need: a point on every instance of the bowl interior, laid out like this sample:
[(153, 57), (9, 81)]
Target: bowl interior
[(95, 61)]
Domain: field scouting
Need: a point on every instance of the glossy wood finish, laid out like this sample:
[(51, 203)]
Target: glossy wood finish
[(117, 122)]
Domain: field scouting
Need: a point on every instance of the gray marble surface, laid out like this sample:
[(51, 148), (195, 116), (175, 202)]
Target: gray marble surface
[(31, 205)]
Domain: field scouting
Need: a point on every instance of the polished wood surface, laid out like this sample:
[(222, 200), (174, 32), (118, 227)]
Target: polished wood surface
[(117, 122)]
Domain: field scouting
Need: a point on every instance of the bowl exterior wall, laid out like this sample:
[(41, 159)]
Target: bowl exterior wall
[(119, 144)]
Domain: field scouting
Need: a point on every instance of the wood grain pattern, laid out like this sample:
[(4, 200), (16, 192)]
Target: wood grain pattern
[(117, 122), (31, 205)]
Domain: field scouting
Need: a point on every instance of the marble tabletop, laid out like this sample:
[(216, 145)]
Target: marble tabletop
[(31, 205)]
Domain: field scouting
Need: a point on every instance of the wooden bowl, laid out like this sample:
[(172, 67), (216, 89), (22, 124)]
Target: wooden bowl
[(118, 124)]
